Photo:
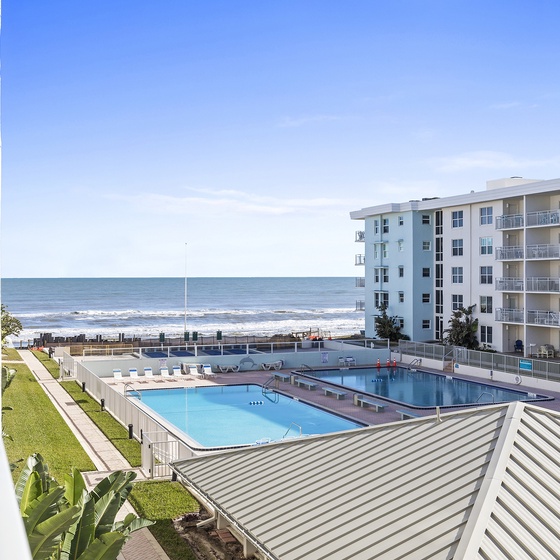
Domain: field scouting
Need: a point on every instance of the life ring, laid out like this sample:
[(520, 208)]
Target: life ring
[(517, 380)]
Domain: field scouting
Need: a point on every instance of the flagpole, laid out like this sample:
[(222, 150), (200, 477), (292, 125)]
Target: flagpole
[(185, 322)]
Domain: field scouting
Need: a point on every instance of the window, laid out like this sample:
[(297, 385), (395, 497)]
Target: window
[(486, 304), (401, 322), (426, 245), (439, 301), (376, 226), (457, 218), (426, 298), (385, 248), (401, 271), (401, 221), (376, 251), (385, 275), (439, 222), (486, 216), (486, 275), (457, 274), (385, 225), (426, 272), (401, 297), (486, 245), (426, 324), (426, 219), (401, 244), (456, 302), (439, 248), (377, 276), (381, 299), (439, 275), (485, 334), (457, 247)]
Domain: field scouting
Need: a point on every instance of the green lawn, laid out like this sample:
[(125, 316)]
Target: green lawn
[(10, 354), (162, 502), (49, 363), (115, 432), (35, 426)]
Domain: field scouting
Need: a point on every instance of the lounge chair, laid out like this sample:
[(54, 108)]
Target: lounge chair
[(177, 371), (165, 374), (193, 370), (207, 371), (117, 375), (133, 373), (350, 361), (148, 373)]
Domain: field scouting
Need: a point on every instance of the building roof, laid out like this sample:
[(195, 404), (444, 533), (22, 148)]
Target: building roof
[(492, 193), (478, 483)]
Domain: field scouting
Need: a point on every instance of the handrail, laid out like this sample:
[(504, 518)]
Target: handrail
[(266, 385), (415, 362), (131, 390), (485, 393), (290, 427), (305, 366)]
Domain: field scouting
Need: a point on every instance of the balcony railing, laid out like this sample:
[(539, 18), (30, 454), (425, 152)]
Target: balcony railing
[(511, 221), (509, 284), (359, 260), (542, 284), (360, 305), (540, 317), (360, 236), (509, 253), (543, 218), (360, 282), (509, 315), (543, 251)]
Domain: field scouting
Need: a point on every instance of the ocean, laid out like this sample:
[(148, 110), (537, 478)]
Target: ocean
[(145, 307)]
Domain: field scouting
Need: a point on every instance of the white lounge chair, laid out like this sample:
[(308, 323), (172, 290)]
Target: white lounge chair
[(133, 373), (148, 373), (165, 374), (177, 371), (207, 371), (193, 370), (117, 374)]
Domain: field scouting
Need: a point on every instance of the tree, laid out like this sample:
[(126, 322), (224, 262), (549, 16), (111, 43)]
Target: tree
[(68, 522), (10, 325), (462, 329), (387, 327)]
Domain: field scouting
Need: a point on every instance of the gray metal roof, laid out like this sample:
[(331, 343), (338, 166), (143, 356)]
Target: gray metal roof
[(480, 483)]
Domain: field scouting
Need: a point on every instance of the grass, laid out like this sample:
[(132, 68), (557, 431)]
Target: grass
[(52, 366), (35, 426), (113, 430), (11, 355), (162, 502)]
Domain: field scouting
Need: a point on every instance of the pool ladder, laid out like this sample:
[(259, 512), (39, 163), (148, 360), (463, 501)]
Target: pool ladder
[(485, 393), (290, 427), (127, 391), (416, 362), (267, 392)]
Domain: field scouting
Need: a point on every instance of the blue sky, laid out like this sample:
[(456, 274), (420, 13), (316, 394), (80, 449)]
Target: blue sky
[(250, 129)]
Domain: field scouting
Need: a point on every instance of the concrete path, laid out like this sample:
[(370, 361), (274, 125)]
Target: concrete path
[(141, 545)]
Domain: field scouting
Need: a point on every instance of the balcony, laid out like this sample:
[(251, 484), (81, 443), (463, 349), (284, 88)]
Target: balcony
[(509, 284), (539, 317), (509, 253), (360, 305), (543, 251), (359, 260), (360, 282), (543, 218), (542, 284), (511, 221), (360, 236), (509, 315)]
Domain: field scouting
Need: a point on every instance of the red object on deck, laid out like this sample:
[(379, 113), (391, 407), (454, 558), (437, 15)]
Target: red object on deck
[(378, 363), (394, 363)]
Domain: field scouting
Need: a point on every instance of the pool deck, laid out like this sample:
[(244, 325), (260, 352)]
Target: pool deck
[(343, 406)]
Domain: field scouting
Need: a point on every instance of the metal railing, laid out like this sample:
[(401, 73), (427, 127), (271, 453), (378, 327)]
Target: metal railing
[(509, 253), (543, 284), (543, 218), (360, 236), (359, 260), (509, 315), (543, 251), (360, 282), (509, 221), (509, 284), (543, 317)]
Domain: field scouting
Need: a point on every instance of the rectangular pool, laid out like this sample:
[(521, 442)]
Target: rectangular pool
[(420, 389), (238, 415)]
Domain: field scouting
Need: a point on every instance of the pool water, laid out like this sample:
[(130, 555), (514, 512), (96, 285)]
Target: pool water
[(420, 388), (232, 415)]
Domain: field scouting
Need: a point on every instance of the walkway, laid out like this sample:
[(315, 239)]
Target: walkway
[(141, 545)]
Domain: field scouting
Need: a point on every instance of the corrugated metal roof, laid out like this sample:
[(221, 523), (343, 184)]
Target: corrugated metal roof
[(482, 483)]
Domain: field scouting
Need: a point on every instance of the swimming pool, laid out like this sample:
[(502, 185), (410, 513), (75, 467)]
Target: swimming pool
[(236, 415), (420, 389)]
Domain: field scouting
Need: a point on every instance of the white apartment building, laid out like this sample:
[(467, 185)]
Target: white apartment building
[(498, 249)]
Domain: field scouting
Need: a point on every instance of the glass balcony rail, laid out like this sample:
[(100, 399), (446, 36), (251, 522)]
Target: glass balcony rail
[(510, 221), (360, 282), (360, 236), (542, 284), (509, 284), (540, 317), (509, 253), (509, 315), (543, 251), (543, 218), (359, 260), (360, 305)]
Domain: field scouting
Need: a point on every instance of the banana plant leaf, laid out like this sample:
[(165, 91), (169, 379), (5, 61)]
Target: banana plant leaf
[(106, 547), (75, 487), (118, 481), (106, 509), (81, 534), (42, 508)]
